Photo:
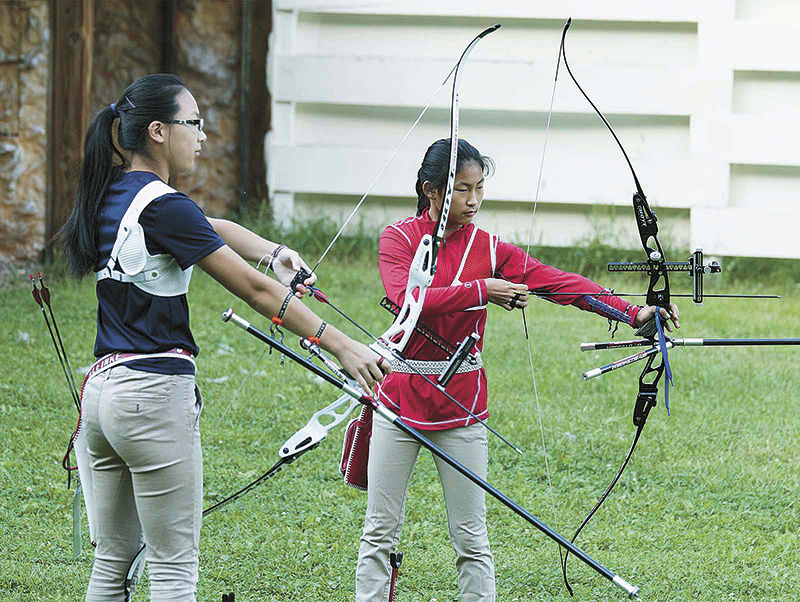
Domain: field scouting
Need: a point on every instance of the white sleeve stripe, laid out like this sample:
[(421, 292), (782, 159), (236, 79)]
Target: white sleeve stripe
[(403, 233)]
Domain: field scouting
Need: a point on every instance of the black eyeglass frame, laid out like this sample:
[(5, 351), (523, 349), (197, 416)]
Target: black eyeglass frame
[(198, 123)]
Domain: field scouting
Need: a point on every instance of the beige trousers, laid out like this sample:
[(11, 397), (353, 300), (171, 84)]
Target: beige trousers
[(143, 440), (392, 456)]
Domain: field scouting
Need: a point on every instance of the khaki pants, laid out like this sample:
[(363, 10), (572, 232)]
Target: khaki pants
[(142, 435), (392, 456)]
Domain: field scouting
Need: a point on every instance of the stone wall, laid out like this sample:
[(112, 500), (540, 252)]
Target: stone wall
[(207, 45), (128, 43), (24, 49)]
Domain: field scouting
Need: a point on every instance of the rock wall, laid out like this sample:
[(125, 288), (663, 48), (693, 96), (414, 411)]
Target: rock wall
[(129, 38), (24, 50), (207, 51), (128, 44)]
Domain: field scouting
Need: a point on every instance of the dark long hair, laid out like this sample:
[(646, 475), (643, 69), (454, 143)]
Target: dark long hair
[(149, 98), (436, 162)]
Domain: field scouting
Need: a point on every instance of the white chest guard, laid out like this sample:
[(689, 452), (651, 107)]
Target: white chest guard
[(158, 275)]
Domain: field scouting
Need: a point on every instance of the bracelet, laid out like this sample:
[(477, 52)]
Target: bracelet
[(279, 318), (275, 254), (315, 338)]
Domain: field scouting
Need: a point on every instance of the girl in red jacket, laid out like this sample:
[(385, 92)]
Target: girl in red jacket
[(474, 268)]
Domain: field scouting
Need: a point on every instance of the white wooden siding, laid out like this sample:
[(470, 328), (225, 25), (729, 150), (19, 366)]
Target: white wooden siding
[(704, 96)]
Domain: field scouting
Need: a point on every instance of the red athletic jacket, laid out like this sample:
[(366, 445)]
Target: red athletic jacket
[(455, 307)]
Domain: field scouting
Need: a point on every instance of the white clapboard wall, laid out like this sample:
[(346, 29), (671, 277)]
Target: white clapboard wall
[(705, 96)]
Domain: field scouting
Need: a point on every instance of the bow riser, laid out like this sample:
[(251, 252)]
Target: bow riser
[(647, 223), (420, 276)]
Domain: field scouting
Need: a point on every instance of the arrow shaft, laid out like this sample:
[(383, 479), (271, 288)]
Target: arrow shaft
[(625, 361), (691, 342)]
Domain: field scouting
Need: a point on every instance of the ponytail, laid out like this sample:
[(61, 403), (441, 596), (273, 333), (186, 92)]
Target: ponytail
[(79, 234), (436, 162), (149, 98)]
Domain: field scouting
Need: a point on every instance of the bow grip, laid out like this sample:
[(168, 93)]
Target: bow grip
[(645, 401), (649, 329)]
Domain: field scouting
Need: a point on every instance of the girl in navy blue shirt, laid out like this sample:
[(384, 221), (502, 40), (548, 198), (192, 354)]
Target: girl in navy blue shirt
[(138, 446)]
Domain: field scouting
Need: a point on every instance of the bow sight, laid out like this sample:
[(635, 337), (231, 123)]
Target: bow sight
[(694, 266)]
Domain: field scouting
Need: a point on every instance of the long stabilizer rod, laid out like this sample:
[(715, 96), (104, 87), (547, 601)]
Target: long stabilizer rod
[(356, 393)]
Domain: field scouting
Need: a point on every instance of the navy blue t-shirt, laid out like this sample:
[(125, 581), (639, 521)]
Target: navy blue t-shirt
[(130, 320)]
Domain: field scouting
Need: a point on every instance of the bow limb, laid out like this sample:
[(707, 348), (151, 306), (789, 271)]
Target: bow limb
[(423, 266), (646, 219), (306, 439), (444, 214)]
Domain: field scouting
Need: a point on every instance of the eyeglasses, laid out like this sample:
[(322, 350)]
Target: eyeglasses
[(198, 123)]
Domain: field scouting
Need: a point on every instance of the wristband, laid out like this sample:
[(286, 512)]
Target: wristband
[(279, 318), (315, 338)]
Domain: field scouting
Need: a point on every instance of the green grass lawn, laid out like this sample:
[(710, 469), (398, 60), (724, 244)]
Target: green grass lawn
[(707, 510)]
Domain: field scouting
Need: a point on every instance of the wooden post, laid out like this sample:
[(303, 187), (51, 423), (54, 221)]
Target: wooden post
[(255, 107), (168, 53), (71, 44), (168, 36)]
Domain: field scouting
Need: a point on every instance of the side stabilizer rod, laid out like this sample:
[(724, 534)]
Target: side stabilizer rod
[(654, 349)]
